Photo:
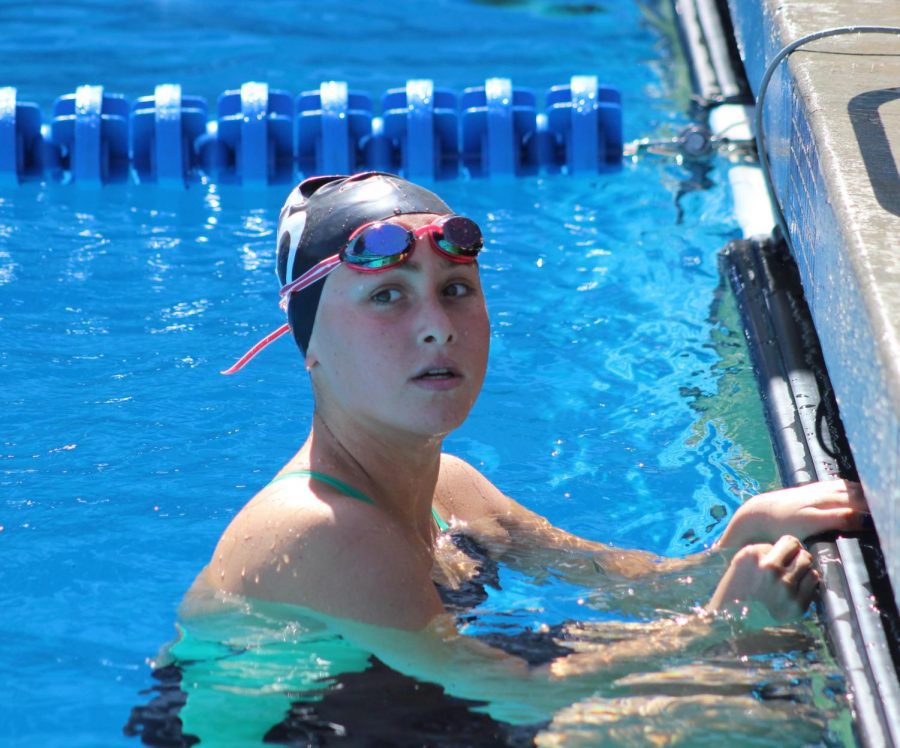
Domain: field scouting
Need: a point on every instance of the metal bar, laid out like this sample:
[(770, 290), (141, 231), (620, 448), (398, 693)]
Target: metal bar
[(787, 361)]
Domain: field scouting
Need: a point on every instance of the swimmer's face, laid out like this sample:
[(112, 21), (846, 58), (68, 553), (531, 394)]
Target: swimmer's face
[(406, 348)]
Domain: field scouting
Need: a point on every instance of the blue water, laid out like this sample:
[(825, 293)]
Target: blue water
[(617, 370)]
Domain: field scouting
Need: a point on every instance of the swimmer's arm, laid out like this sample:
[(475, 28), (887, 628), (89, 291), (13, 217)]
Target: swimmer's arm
[(802, 512), (468, 668), (778, 576), (530, 542)]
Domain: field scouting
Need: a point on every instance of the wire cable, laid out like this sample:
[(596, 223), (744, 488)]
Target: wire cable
[(760, 98)]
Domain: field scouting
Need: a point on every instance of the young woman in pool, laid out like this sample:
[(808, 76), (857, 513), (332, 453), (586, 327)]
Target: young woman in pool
[(381, 285)]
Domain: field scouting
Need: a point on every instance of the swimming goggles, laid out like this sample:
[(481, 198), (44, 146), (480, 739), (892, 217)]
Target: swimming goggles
[(374, 248)]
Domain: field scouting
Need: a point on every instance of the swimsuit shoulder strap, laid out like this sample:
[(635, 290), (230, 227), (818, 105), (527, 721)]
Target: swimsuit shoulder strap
[(330, 480), (347, 490), (442, 525)]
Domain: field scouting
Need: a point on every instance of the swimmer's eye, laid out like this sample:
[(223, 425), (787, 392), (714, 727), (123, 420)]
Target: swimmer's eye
[(457, 289), (386, 296)]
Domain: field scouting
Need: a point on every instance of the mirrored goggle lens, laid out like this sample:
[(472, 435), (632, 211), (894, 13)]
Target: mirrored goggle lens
[(378, 245), (460, 236)]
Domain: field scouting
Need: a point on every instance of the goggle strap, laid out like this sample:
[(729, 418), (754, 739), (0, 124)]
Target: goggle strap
[(316, 272), (245, 359)]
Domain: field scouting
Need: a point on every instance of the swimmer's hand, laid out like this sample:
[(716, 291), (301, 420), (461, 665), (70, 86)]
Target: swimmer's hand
[(780, 576), (802, 511)]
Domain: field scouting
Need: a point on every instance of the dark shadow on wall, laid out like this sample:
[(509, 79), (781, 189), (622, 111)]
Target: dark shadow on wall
[(875, 146)]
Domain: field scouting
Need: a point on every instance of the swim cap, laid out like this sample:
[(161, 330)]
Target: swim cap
[(318, 218)]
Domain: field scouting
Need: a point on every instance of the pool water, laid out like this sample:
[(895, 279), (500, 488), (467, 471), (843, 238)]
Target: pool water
[(628, 408)]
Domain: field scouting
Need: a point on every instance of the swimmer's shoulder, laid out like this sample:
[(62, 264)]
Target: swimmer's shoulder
[(314, 546), (465, 492), (290, 508)]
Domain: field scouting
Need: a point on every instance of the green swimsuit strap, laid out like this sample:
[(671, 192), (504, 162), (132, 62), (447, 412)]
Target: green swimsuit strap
[(335, 483), (442, 525), (348, 490)]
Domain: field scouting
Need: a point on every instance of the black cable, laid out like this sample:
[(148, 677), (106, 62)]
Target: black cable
[(760, 97)]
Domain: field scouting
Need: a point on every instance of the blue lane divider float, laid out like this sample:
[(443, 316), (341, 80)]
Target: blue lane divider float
[(421, 128), (88, 136), (164, 130), (21, 145), (499, 130), (252, 142), (585, 120), (333, 126), (260, 136)]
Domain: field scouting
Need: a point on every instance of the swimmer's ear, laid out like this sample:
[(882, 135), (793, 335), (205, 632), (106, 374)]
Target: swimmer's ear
[(311, 358)]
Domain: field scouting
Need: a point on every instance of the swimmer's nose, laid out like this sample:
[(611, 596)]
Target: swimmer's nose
[(436, 325)]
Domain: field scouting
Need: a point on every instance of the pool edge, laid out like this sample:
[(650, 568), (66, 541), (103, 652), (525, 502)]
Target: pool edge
[(839, 269), (840, 221)]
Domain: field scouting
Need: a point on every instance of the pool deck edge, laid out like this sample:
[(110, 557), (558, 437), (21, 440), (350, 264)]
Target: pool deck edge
[(832, 119)]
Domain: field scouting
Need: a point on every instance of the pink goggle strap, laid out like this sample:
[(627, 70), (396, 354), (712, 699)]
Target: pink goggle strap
[(245, 359), (315, 273)]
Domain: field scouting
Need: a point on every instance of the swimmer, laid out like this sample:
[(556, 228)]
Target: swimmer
[(380, 282)]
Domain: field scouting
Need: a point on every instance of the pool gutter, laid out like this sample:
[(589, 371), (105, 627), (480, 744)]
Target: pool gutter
[(772, 287), (810, 445), (832, 122)]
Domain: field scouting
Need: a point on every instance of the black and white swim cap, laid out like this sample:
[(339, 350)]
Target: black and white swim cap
[(318, 218)]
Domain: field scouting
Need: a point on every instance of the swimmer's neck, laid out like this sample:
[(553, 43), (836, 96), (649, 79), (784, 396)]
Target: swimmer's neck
[(397, 471)]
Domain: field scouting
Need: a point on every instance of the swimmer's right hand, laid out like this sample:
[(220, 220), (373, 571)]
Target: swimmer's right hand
[(779, 575)]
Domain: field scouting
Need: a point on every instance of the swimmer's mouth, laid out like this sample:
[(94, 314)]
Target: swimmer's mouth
[(437, 372)]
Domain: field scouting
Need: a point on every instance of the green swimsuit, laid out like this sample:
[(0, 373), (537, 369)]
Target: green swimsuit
[(348, 490)]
